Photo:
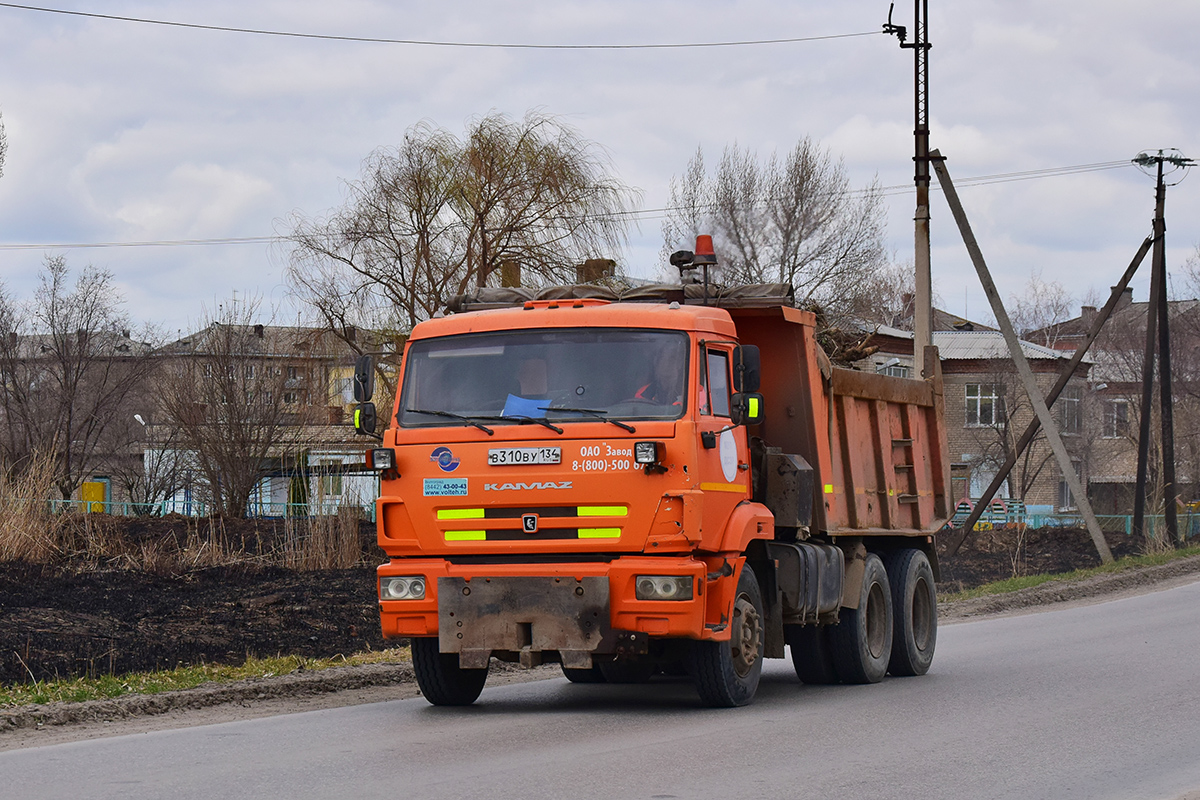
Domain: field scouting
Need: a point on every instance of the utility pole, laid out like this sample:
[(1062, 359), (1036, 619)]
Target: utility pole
[(1158, 328), (923, 308)]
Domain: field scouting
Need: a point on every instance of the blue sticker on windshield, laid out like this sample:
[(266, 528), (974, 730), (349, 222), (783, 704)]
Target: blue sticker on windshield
[(445, 487)]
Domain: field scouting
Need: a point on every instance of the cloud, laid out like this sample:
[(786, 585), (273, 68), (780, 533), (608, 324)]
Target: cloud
[(120, 131)]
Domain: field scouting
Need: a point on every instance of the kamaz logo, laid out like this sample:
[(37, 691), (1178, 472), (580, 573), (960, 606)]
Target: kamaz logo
[(504, 487)]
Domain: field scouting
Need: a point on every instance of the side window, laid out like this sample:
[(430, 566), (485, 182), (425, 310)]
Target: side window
[(717, 372)]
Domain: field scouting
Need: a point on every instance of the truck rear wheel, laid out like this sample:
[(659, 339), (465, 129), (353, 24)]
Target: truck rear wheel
[(862, 639), (442, 680), (727, 673), (914, 607), (812, 656)]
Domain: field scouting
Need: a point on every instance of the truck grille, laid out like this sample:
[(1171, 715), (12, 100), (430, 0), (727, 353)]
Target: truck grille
[(531, 523)]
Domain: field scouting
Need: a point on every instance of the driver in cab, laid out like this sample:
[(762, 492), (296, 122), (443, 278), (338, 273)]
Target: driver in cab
[(666, 382)]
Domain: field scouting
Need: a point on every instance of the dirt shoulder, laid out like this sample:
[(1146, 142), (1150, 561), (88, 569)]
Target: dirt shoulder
[(36, 726)]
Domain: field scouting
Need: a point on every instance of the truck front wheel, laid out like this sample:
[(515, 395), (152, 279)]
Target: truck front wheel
[(862, 639), (727, 673), (442, 680), (914, 604)]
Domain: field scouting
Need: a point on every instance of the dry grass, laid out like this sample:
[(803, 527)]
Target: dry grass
[(328, 541), (30, 531)]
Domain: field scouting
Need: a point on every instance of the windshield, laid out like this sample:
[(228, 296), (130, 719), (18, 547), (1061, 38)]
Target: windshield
[(567, 375)]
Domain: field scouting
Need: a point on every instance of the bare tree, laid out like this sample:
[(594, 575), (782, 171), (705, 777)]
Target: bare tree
[(149, 463), (793, 220), (3, 146), (439, 214), (1038, 311), (237, 405), (68, 365)]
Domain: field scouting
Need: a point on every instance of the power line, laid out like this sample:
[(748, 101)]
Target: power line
[(643, 214), (427, 43), (152, 243)]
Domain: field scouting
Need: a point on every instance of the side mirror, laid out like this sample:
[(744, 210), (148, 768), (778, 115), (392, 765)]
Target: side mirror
[(364, 379), (746, 408), (747, 368), (364, 419)]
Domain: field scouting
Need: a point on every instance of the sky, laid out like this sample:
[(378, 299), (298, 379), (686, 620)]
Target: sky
[(124, 132)]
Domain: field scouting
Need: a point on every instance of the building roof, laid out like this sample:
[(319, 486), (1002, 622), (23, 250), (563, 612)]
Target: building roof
[(985, 345)]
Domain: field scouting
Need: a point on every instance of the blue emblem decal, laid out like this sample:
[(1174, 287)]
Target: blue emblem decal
[(444, 458)]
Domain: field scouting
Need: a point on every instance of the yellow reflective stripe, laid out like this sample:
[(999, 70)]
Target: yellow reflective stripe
[(602, 511), (599, 533), (829, 488), (460, 513), (753, 407), (466, 536), (722, 487)]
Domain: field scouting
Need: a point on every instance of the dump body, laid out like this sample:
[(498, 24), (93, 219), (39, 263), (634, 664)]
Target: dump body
[(519, 506), (877, 443)]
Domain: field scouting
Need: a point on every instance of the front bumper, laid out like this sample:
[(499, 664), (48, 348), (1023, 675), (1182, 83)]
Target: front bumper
[(575, 609)]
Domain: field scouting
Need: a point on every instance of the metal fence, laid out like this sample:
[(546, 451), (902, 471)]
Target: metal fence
[(197, 508), (1014, 515)]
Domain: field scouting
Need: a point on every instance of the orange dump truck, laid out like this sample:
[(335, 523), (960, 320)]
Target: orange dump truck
[(679, 485)]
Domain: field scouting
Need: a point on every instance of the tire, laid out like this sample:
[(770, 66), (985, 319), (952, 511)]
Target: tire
[(862, 640), (727, 673), (590, 675), (812, 656), (634, 671), (914, 612), (442, 681)]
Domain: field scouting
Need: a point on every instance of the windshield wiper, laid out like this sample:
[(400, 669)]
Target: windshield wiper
[(539, 420), (593, 412), (473, 421)]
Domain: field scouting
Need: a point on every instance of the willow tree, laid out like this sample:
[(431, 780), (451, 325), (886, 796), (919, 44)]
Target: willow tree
[(441, 214), (794, 219)]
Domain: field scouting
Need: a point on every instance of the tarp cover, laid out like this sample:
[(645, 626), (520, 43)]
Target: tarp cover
[(758, 295)]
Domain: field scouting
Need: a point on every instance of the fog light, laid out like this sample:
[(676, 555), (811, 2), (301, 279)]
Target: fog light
[(405, 588), (648, 452), (381, 458), (663, 587)]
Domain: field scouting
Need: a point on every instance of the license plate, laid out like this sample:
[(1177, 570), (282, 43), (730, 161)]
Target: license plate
[(503, 456)]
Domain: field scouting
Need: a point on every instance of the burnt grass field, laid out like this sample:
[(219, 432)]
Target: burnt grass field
[(73, 616)]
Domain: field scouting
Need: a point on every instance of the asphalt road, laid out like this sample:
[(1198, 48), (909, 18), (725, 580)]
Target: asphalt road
[(1091, 702)]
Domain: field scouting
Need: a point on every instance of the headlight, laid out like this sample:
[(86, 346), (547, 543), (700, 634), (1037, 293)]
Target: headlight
[(406, 588), (663, 587)]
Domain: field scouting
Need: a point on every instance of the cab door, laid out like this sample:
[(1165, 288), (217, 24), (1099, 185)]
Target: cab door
[(723, 456)]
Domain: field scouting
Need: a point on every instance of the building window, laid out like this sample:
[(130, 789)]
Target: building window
[(985, 404), (295, 373), (331, 479), (344, 387), (289, 398), (1066, 500), (1070, 415), (249, 372), (895, 370), (1116, 419)]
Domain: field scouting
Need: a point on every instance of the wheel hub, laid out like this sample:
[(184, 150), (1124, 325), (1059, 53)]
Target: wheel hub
[(745, 642)]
